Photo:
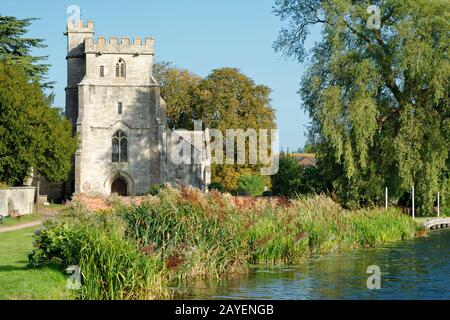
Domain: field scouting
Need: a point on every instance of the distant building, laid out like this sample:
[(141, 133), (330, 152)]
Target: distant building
[(305, 159)]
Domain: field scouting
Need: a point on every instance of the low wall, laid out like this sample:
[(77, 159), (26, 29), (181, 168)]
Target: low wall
[(4, 196), (17, 199)]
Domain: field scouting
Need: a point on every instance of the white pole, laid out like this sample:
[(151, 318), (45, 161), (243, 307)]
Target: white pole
[(413, 213), (439, 209), (386, 197)]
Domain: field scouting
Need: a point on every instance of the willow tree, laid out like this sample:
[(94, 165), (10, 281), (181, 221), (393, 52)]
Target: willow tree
[(377, 91)]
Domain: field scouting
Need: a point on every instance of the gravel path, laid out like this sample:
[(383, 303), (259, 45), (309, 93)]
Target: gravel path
[(21, 226), (46, 214)]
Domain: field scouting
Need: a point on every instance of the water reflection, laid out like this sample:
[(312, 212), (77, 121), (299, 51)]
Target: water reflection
[(413, 269)]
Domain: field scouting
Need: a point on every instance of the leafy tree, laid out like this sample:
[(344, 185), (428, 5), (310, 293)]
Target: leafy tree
[(288, 181), (309, 148), (16, 49), (292, 179), (252, 185), (378, 98), (225, 99), (228, 99), (33, 134), (177, 87)]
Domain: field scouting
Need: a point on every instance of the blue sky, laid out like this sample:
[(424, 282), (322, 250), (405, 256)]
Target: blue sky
[(199, 35)]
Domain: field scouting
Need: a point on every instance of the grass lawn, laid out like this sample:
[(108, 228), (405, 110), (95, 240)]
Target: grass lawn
[(10, 221), (19, 282), (54, 206)]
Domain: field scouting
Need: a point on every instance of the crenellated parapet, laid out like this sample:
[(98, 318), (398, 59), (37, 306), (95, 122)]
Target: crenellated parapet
[(80, 27), (116, 45)]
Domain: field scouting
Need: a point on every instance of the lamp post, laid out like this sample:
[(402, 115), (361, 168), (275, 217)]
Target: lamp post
[(413, 213)]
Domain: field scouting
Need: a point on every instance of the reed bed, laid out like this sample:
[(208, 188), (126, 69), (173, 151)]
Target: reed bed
[(135, 252)]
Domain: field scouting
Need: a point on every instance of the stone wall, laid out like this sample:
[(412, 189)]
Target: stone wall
[(93, 94), (99, 120), (17, 199)]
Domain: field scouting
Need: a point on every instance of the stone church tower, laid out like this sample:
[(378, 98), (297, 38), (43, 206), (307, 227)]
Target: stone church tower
[(115, 108)]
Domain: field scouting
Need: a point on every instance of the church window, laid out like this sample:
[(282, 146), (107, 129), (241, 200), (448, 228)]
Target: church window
[(120, 147), (119, 108), (120, 69), (102, 71)]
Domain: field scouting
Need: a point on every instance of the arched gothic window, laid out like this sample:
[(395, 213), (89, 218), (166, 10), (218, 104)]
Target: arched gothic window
[(121, 69), (120, 147)]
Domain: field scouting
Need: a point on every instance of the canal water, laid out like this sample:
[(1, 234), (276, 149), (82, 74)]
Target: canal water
[(412, 269)]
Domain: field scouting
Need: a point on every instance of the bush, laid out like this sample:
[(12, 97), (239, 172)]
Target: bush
[(155, 189), (288, 181), (112, 267), (292, 179), (216, 186), (252, 185)]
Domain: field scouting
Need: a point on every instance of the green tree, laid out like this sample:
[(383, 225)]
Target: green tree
[(16, 49), (292, 179), (378, 98), (228, 99), (177, 88), (288, 181), (225, 99), (252, 185), (32, 134)]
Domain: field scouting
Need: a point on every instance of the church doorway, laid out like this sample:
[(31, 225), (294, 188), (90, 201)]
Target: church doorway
[(119, 187)]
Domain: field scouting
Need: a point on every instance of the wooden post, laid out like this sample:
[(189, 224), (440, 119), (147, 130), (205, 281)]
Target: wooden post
[(413, 213), (439, 208), (386, 197)]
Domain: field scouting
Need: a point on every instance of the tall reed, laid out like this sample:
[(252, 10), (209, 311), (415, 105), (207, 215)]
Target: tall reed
[(133, 252)]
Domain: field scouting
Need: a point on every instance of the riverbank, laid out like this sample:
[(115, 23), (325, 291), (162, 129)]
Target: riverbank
[(414, 269), (138, 252)]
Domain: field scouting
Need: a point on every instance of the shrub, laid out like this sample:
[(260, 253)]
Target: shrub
[(155, 189), (252, 185), (216, 186), (111, 266)]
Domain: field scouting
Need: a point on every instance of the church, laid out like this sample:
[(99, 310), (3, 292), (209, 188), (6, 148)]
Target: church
[(115, 107)]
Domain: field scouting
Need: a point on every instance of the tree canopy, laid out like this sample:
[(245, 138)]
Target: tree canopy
[(16, 49), (228, 99), (33, 134), (177, 89), (378, 98), (292, 179), (225, 99)]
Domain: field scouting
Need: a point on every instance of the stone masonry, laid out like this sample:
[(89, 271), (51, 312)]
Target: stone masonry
[(110, 89)]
